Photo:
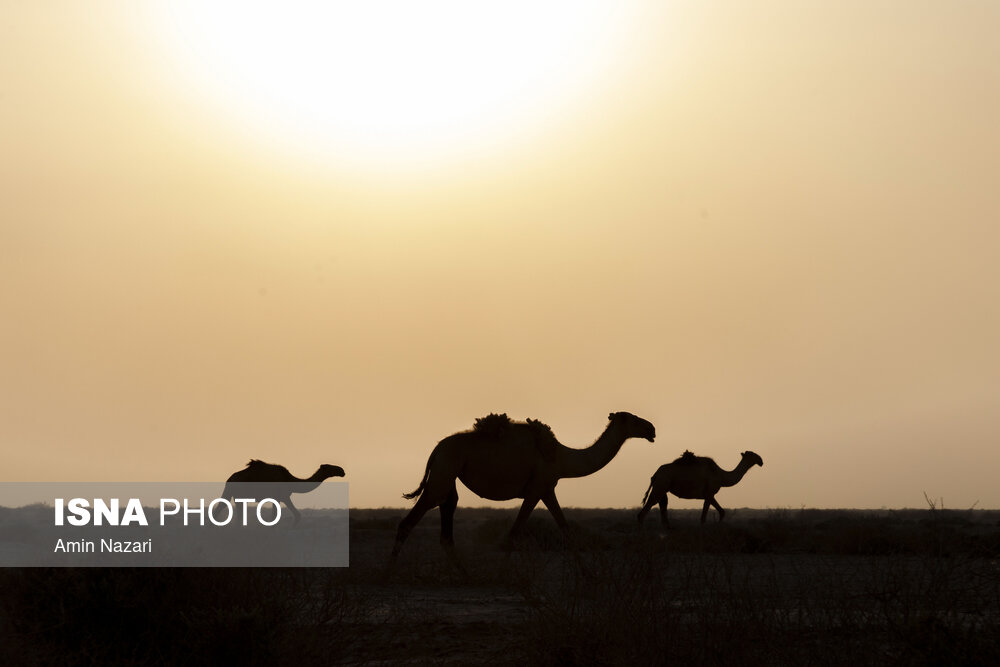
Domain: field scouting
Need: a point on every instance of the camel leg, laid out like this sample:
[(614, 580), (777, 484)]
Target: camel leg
[(423, 505), (522, 517), (663, 512), (650, 501), (447, 509), (550, 502), (448, 517), (294, 510), (704, 509), (718, 507), (268, 515)]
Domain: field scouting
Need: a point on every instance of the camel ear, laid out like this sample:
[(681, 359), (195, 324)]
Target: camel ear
[(611, 416)]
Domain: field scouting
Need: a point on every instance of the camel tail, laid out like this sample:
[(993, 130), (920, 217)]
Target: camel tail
[(646, 495), (427, 473)]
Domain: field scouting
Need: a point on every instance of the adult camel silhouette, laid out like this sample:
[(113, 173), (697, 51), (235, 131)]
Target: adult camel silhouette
[(278, 483), (500, 459), (693, 477)]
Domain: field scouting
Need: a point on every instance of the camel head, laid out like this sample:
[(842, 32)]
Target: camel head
[(753, 459), (635, 427), (326, 470)]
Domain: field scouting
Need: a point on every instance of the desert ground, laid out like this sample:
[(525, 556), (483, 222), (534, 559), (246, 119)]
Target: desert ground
[(765, 587)]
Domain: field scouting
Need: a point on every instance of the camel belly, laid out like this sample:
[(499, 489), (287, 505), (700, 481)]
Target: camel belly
[(693, 491), (690, 495), (500, 480), (495, 489), (501, 471)]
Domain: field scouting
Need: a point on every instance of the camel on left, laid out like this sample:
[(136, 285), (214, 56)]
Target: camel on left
[(280, 483)]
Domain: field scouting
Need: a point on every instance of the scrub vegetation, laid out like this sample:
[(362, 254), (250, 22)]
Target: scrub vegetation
[(766, 587)]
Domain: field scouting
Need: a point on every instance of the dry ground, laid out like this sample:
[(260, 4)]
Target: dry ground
[(765, 587)]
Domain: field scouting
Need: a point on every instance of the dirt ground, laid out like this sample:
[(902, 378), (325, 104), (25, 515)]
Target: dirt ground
[(774, 587), (903, 586)]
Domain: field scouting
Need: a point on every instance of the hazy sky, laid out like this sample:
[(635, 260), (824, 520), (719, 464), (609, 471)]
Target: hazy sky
[(770, 226)]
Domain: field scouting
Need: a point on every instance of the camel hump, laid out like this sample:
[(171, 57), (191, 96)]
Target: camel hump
[(492, 425), (258, 466), (688, 458), (499, 427), (545, 439)]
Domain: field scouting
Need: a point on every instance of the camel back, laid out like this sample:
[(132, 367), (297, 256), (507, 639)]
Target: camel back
[(688, 458), (256, 465), (545, 439), (499, 426), (492, 425)]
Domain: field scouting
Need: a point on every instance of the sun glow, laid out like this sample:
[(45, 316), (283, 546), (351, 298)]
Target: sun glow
[(392, 82)]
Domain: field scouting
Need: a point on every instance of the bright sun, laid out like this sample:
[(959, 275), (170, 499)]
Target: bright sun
[(392, 82)]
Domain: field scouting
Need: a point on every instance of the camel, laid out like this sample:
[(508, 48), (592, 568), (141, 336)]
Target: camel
[(691, 476), (500, 459), (280, 483)]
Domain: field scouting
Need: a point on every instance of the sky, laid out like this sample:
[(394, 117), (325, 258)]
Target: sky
[(319, 235)]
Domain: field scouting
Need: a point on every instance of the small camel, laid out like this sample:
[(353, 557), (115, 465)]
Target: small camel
[(280, 483), (691, 476), (500, 460)]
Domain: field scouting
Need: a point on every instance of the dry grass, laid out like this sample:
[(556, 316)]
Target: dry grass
[(767, 587)]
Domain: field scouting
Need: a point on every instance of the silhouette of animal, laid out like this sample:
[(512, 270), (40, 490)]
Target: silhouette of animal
[(278, 482), (691, 476), (500, 459)]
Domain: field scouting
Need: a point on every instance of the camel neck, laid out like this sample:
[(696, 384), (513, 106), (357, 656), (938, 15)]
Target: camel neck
[(306, 485), (583, 462), (733, 477)]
